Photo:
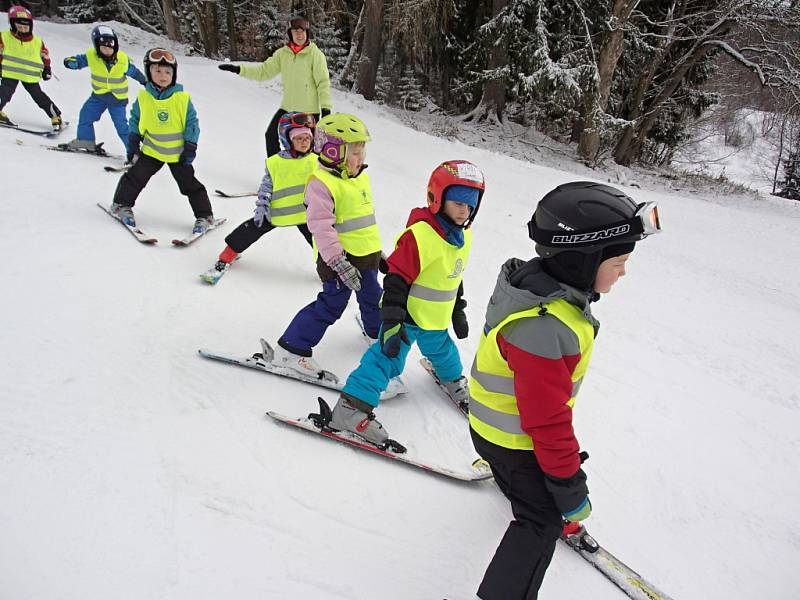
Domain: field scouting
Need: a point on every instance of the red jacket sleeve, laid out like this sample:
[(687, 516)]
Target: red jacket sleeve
[(542, 387), (404, 261), (45, 54)]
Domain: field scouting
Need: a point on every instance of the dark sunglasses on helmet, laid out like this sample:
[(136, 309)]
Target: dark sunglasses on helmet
[(298, 23), (157, 55)]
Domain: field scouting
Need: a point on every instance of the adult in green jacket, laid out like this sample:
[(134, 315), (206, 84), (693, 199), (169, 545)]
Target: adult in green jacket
[(304, 74)]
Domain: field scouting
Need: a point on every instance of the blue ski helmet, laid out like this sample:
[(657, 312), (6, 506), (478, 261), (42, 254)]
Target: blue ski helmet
[(103, 35)]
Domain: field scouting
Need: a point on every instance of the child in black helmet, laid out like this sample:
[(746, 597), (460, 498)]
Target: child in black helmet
[(533, 354), (164, 129)]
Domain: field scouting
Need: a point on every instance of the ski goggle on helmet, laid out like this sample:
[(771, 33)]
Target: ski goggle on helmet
[(586, 217), (160, 56), (334, 136), (294, 120)]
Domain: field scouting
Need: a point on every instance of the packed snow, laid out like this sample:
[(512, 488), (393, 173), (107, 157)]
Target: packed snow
[(132, 468)]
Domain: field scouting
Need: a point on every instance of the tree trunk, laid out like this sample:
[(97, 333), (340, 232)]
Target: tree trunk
[(493, 98), (231, 24), (171, 20), (606, 62), (371, 49)]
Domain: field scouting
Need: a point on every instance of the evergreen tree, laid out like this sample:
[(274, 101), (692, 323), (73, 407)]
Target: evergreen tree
[(330, 41), (410, 91), (791, 177)]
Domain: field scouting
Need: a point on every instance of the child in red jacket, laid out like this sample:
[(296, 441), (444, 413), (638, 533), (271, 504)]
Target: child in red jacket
[(422, 296)]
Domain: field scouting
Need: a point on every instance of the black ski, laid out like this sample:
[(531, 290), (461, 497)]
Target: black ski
[(48, 133), (98, 151), (235, 194)]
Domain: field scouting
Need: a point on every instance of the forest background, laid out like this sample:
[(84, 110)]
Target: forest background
[(631, 82)]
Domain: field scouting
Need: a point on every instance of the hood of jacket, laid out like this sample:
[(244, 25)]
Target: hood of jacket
[(523, 285)]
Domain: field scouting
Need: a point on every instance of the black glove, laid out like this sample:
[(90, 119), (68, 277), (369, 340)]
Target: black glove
[(189, 153), (228, 67), (571, 495), (47, 72), (383, 266), (460, 325), (134, 142), (324, 112), (393, 332)]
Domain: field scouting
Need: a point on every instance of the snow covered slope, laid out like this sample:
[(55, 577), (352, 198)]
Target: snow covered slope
[(130, 468)]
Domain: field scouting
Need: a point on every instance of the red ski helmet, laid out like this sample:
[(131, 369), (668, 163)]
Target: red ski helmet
[(454, 172), (18, 14)]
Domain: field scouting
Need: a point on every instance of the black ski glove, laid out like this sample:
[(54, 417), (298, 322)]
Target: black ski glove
[(134, 142), (571, 495), (189, 153), (324, 112), (47, 72), (460, 325), (383, 266), (228, 67), (393, 332)]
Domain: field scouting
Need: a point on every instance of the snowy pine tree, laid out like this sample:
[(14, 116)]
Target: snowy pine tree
[(410, 91), (330, 41), (791, 177)]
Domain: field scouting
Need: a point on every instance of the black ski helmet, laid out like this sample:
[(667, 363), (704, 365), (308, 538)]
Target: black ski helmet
[(102, 35), (580, 224), (299, 21), (160, 56)]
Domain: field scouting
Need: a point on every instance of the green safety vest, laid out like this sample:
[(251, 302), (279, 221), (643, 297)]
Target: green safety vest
[(289, 178), (432, 294), (21, 60), (493, 410), (105, 80), (354, 211), (162, 123)]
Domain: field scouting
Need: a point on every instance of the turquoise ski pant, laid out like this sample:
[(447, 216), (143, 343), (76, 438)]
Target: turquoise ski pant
[(376, 369)]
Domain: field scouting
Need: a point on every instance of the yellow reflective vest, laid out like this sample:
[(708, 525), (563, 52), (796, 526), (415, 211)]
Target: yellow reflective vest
[(21, 60), (162, 124), (289, 178), (355, 214), (493, 410), (105, 80), (432, 294)]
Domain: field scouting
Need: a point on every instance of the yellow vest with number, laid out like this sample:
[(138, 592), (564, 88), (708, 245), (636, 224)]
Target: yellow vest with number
[(432, 294), (162, 123), (354, 211), (493, 410), (105, 80), (289, 178), (21, 60)]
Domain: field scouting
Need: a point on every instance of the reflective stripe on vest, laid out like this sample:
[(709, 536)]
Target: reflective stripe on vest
[(355, 214), (493, 409), (162, 123), (21, 60), (105, 80), (289, 177), (433, 293)]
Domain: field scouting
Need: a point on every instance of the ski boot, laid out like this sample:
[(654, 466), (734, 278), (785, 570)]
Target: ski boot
[(4, 120), (90, 146), (202, 224), (353, 415), (57, 122), (124, 214), (305, 365), (458, 390)]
